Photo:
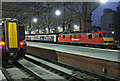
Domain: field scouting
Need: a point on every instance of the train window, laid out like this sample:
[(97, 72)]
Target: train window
[(74, 36), (63, 36), (107, 35), (70, 36), (100, 36), (96, 35), (21, 33), (90, 36)]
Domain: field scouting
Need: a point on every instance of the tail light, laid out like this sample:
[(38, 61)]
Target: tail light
[(2, 43), (21, 43)]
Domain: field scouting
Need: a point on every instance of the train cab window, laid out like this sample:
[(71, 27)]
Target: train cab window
[(100, 35), (90, 36), (107, 35), (21, 33), (63, 36)]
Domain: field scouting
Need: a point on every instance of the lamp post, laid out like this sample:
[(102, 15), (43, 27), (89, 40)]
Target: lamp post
[(57, 13)]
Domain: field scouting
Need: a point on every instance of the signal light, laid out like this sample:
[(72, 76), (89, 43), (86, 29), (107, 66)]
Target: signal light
[(2, 43), (21, 43)]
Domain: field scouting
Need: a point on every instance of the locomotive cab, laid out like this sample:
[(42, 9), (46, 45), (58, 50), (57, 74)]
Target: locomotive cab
[(108, 39), (104, 37)]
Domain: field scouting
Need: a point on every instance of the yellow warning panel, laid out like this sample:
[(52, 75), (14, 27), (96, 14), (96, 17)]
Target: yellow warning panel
[(12, 35)]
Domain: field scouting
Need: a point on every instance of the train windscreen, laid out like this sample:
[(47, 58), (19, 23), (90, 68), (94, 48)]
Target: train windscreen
[(107, 35), (21, 33)]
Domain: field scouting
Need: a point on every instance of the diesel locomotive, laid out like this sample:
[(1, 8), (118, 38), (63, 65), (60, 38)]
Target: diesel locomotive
[(12, 40)]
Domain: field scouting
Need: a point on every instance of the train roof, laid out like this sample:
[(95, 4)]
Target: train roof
[(75, 33), (43, 34), (104, 31), (84, 33)]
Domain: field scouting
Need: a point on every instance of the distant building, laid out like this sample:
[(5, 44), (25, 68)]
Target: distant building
[(108, 20), (111, 21)]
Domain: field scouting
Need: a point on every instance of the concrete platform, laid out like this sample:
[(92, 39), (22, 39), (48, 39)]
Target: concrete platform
[(2, 77), (106, 54)]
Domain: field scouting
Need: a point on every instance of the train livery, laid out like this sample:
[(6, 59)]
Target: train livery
[(98, 38), (13, 41)]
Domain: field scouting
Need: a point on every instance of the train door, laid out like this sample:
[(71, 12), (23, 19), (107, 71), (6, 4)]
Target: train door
[(59, 37), (100, 37), (96, 38)]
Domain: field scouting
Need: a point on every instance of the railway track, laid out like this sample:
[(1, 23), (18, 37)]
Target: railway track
[(31, 76), (35, 68), (70, 72)]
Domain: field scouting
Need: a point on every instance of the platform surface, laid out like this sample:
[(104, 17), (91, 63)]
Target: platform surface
[(107, 54), (2, 77)]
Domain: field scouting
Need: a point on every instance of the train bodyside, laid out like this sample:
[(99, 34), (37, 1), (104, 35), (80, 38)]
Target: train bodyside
[(42, 38), (103, 38), (13, 37)]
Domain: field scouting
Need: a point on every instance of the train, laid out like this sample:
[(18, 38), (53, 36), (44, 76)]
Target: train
[(12, 40), (98, 38)]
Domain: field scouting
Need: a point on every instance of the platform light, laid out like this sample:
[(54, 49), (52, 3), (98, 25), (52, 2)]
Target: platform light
[(26, 32), (58, 27), (113, 32), (34, 20), (57, 12), (103, 1), (32, 32), (46, 28), (36, 30), (75, 26)]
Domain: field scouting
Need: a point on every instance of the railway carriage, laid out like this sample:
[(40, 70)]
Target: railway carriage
[(12, 42), (42, 37)]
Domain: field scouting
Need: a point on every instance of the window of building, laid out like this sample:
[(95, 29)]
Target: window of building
[(90, 36)]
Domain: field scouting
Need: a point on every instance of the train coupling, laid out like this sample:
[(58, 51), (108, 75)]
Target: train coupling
[(12, 54)]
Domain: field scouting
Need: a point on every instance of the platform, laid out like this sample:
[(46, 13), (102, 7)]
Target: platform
[(2, 77), (107, 54)]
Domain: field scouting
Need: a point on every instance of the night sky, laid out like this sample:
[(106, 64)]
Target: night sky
[(96, 15)]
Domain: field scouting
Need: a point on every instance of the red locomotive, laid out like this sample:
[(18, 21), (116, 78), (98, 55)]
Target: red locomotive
[(102, 38)]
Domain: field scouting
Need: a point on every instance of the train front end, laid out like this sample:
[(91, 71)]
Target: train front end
[(13, 38), (108, 39)]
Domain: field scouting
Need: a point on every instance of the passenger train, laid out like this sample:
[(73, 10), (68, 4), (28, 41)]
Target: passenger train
[(98, 38), (12, 40)]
